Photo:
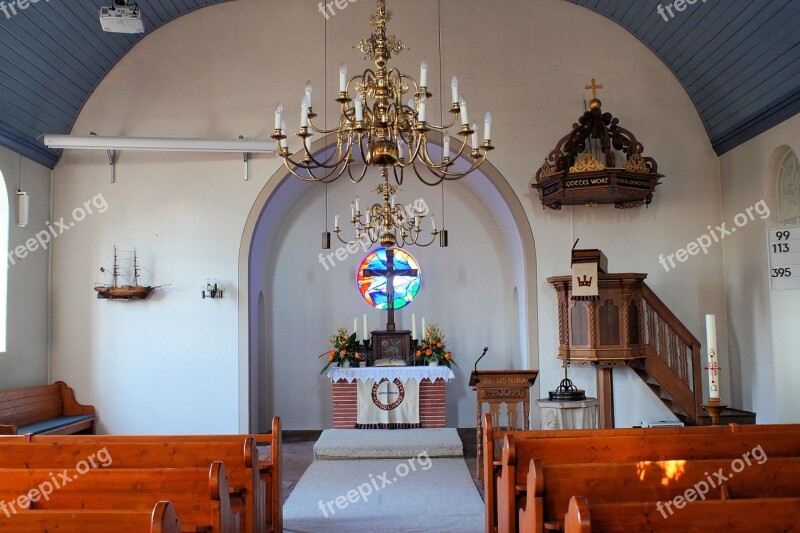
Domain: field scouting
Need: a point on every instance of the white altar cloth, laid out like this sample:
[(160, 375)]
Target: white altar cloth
[(403, 373)]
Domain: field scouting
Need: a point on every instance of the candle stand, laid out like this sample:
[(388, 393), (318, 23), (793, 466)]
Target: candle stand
[(714, 408)]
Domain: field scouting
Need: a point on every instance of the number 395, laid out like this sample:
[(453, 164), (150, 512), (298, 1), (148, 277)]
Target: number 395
[(781, 272)]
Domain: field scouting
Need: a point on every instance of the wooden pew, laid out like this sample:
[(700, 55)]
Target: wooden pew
[(200, 495), (47, 410), (492, 464), (240, 457), (626, 446), (745, 516), (269, 466), (161, 519), (550, 487)]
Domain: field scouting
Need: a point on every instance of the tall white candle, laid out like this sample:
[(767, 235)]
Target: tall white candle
[(343, 78), (454, 87), (304, 112), (278, 116), (487, 129), (414, 326), (423, 74), (713, 378), (365, 328), (355, 327), (464, 112), (423, 327)]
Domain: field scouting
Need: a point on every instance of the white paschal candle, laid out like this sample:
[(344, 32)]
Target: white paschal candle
[(711, 333)]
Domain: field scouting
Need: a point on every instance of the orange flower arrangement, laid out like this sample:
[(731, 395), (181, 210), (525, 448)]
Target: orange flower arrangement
[(433, 347), (344, 349)]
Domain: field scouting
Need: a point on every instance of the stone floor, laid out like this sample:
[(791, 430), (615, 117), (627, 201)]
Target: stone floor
[(298, 454)]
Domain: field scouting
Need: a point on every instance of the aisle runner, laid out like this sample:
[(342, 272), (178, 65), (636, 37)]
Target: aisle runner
[(388, 404), (414, 495)]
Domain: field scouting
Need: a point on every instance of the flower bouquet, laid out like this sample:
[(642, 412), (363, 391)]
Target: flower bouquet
[(344, 350), (433, 349)]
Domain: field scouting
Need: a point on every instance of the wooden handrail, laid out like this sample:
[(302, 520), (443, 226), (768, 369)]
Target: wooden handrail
[(679, 389)]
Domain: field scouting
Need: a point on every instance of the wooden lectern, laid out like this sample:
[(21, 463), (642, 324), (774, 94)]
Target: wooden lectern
[(497, 387)]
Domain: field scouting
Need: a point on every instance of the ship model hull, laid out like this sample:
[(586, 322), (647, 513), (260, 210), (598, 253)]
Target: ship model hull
[(128, 292)]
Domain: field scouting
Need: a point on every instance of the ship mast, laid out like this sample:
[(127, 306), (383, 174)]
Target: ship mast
[(135, 269), (116, 267)]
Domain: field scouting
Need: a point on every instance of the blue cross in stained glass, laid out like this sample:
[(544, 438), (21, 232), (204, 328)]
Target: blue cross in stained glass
[(379, 283)]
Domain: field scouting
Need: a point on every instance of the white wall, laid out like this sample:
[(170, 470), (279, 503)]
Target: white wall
[(763, 344), (173, 363), (25, 362)]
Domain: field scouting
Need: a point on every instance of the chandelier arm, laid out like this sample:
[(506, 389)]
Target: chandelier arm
[(327, 163), (443, 127), (311, 178), (428, 161), (361, 177), (452, 176), (398, 179), (423, 180), (317, 164), (320, 130)]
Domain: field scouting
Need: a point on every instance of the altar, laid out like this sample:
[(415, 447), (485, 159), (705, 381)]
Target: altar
[(359, 393)]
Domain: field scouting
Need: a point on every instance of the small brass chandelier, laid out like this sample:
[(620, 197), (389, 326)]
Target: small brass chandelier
[(384, 131), (390, 223)]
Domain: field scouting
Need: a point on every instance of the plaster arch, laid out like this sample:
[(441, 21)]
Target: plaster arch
[(282, 190)]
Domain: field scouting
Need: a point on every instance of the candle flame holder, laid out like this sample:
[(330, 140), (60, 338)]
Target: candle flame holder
[(714, 407)]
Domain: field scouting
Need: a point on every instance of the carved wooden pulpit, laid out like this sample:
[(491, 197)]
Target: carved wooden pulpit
[(508, 396)]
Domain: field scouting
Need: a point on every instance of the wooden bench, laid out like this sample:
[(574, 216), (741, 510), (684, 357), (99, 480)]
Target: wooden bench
[(600, 446), (550, 487), (200, 495), (745, 516), (161, 519), (51, 409), (246, 488)]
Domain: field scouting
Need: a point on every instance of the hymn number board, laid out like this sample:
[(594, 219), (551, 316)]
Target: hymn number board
[(784, 258)]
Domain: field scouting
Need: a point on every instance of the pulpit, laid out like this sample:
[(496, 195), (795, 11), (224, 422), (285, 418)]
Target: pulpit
[(507, 394)]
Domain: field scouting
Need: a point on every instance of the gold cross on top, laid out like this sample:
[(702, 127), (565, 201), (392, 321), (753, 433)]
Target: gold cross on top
[(594, 88)]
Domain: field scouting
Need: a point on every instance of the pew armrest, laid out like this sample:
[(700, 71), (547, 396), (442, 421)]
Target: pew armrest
[(71, 406), (578, 519), (8, 429)]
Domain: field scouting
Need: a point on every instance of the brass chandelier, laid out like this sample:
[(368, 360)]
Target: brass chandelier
[(378, 129)]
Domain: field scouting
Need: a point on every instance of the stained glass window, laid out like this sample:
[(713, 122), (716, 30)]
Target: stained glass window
[(374, 272)]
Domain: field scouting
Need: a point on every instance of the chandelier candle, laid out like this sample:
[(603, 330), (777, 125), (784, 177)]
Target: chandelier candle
[(711, 332)]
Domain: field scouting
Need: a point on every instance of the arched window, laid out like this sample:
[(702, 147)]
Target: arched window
[(789, 190)]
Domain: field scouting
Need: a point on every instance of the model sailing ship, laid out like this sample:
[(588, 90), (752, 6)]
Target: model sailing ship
[(124, 292)]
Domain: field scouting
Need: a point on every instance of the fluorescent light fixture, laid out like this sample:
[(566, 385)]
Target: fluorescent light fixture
[(160, 144), (23, 209)]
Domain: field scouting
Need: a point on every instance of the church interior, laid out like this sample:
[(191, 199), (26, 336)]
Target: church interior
[(384, 265)]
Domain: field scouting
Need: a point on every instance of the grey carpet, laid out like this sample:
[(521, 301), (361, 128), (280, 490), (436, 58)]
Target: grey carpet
[(387, 443), (398, 499)]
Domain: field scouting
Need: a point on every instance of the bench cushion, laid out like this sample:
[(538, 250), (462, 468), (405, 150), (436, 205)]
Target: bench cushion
[(53, 423)]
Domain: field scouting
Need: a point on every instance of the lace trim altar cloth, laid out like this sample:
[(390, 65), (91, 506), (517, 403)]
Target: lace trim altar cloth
[(389, 397), (403, 373)]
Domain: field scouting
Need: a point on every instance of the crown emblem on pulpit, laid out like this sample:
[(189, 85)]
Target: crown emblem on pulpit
[(585, 282)]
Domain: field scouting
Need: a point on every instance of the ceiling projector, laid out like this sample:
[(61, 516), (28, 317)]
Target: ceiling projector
[(121, 18)]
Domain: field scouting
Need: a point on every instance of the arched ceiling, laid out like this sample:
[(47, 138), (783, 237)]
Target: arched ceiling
[(52, 56), (739, 60)]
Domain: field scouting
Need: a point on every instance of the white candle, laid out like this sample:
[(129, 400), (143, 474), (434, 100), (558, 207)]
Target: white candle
[(423, 327), (711, 333), (358, 205), (365, 328), (464, 114), (401, 152), (475, 136), (359, 108), (343, 78), (446, 148), (304, 112), (284, 141), (309, 91), (423, 101), (454, 86), (414, 326), (433, 222), (278, 116), (487, 128), (336, 221), (423, 74)]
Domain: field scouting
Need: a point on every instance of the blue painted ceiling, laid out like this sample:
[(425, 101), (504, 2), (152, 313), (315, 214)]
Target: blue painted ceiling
[(52, 56), (739, 60)]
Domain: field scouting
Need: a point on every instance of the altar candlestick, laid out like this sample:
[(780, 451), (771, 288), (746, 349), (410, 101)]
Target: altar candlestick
[(365, 328), (355, 327), (713, 378), (414, 326)]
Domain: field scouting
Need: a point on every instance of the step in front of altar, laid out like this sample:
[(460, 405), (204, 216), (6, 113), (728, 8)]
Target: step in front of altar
[(349, 444)]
